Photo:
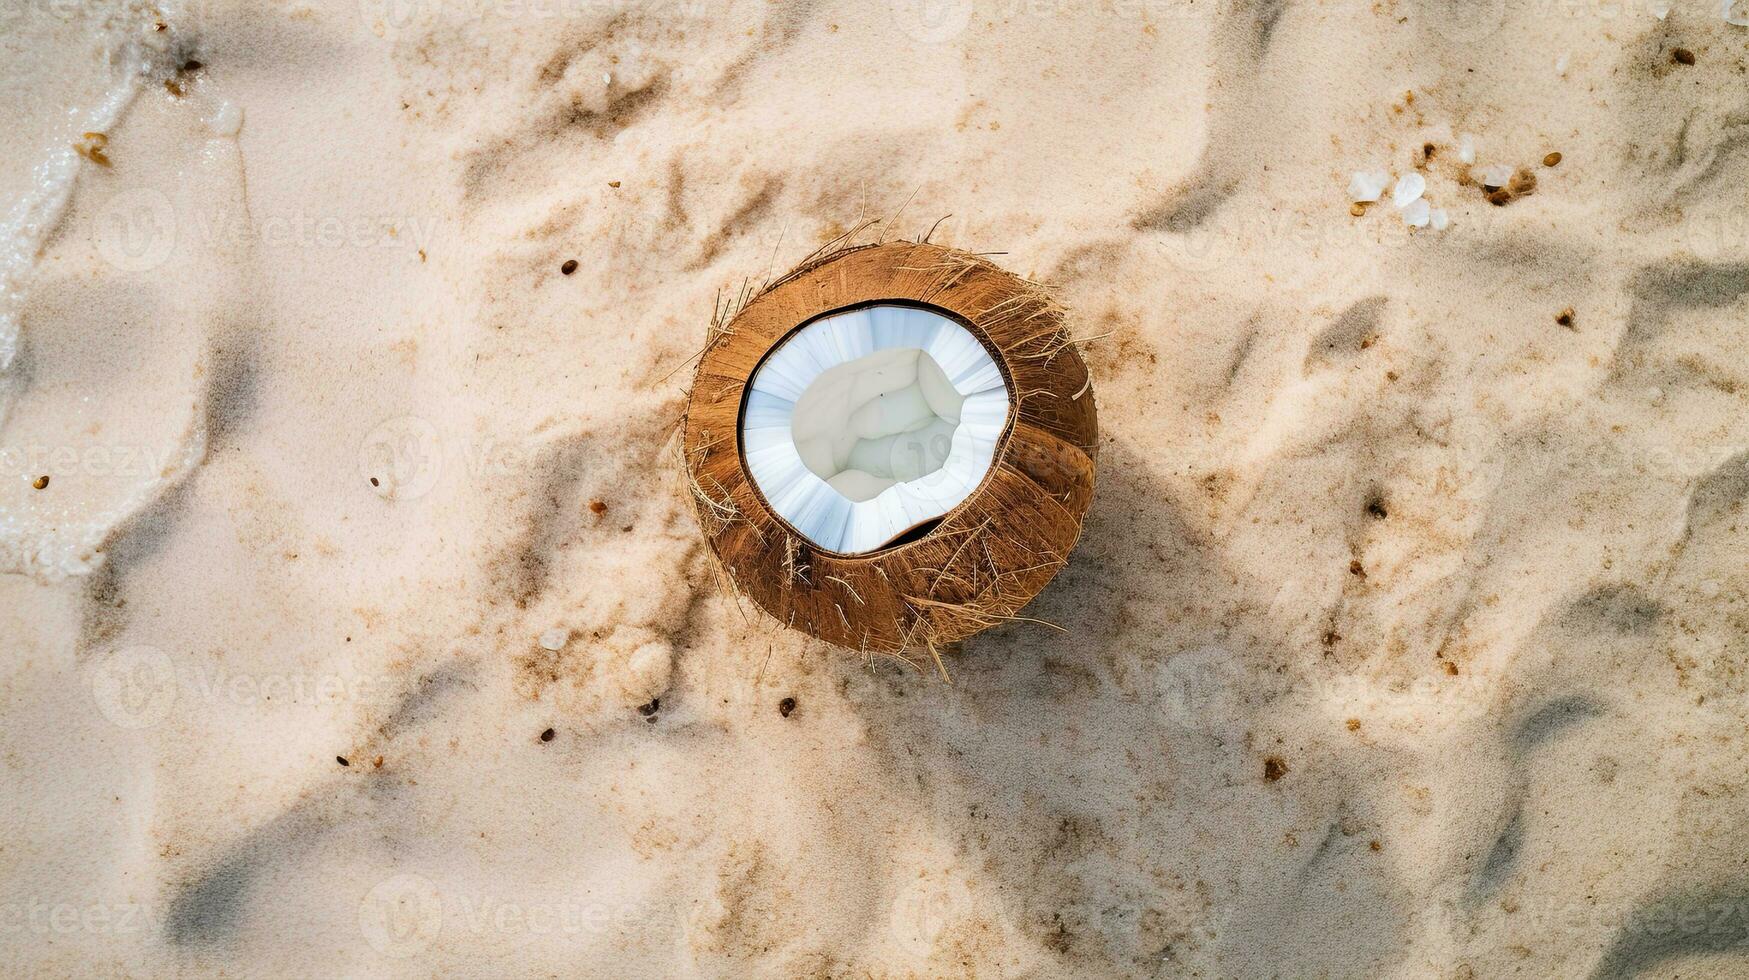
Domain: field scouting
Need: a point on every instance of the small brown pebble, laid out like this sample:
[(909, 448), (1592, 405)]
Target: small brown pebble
[(613, 183), (1354, 724), (1377, 509), (1332, 638), (654, 705), (1357, 209), (1566, 318), (1356, 568), (374, 483), (1375, 845), (342, 760), (92, 146), (546, 736), (1552, 160), (569, 267), (173, 87), (1274, 768), (1451, 668), (786, 706), (41, 483), (598, 506), (1499, 197), (1682, 56), (192, 65), (376, 763), (1427, 150)]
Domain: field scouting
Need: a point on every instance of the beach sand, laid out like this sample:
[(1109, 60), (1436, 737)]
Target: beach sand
[(1406, 636)]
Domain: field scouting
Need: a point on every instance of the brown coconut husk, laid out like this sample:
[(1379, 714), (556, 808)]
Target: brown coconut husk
[(985, 559)]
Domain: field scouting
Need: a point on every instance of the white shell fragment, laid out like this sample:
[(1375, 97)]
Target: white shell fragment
[(1467, 148), (228, 120), (1366, 185), (1438, 220), (1496, 175), (1408, 190), (1416, 214), (867, 423), (555, 638), (1735, 12), (1659, 8)]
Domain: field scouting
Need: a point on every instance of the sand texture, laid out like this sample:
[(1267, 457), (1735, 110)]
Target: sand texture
[(363, 628)]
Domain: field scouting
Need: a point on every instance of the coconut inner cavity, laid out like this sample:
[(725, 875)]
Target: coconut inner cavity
[(868, 423), (884, 418)]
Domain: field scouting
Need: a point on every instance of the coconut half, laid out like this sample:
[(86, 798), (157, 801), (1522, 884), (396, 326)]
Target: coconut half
[(892, 446)]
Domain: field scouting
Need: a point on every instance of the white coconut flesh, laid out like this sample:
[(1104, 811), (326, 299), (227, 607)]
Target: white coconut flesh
[(866, 424)]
